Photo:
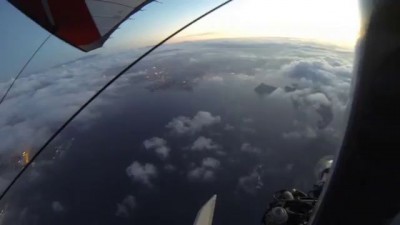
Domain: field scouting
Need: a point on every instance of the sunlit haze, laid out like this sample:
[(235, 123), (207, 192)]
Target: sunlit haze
[(320, 20)]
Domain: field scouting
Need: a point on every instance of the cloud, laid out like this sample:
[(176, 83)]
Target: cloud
[(322, 84), (203, 143), (328, 77), (229, 127), (154, 142), (313, 108), (244, 76), (169, 168), (318, 99), (163, 151), (211, 163), (205, 172), (289, 167), (186, 125), (252, 182), (201, 173), (122, 211), (57, 206), (247, 147), (159, 145), (306, 133), (248, 130), (129, 201), (142, 173), (216, 78), (248, 120), (126, 206), (316, 70)]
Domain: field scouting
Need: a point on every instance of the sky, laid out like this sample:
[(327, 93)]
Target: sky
[(335, 22), (319, 20)]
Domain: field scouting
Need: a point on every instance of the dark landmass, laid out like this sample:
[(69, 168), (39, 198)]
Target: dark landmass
[(264, 89), (290, 88), (326, 114)]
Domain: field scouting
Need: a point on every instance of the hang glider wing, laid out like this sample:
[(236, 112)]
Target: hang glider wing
[(84, 24), (206, 213)]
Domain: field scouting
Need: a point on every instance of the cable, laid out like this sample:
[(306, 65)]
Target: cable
[(65, 124), (23, 68)]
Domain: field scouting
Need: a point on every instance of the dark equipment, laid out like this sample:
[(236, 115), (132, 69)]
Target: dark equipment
[(366, 177), (294, 207)]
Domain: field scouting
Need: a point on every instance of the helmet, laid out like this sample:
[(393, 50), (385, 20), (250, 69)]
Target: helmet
[(276, 216), (323, 166), (287, 195)]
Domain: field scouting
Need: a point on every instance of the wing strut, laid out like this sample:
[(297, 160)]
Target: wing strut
[(23, 69)]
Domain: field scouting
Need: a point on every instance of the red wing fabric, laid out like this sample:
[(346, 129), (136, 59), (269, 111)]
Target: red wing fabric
[(85, 24)]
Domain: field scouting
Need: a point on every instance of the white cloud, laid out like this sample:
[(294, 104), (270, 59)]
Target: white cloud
[(316, 70), (248, 120), (330, 77), (122, 211), (211, 163), (248, 130), (163, 151), (201, 173), (244, 77), (169, 168), (252, 182), (318, 99), (247, 147), (216, 78), (320, 96), (129, 201), (289, 167), (186, 125), (203, 143), (142, 173), (198, 173), (229, 127), (205, 172), (159, 145), (154, 142), (126, 206), (221, 153), (306, 132), (57, 206), (292, 135)]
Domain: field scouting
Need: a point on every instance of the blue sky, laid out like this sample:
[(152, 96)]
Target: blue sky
[(20, 36)]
